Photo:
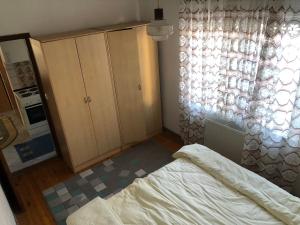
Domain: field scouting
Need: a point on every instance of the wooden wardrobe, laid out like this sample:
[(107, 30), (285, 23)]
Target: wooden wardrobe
[(102, 90)]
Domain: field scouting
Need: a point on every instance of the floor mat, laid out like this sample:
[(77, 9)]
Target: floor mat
[(36, 147), (105, 179)]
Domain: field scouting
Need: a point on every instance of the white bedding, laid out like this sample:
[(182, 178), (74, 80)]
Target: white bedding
[(6, 215), (200, 187)]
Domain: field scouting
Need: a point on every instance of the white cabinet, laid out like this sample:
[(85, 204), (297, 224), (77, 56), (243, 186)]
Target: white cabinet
[(14, 51)]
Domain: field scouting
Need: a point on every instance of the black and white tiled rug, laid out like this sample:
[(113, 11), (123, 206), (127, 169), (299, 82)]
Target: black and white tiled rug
[(106, 179)]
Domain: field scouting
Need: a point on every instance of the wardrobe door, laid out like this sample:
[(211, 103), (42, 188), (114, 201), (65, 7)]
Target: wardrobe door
[(99, 86), (69, 92), (150, 81), (123, 49)]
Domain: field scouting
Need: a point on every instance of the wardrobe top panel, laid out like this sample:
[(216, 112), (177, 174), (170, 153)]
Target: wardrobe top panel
[(84, 32), (121, 26)]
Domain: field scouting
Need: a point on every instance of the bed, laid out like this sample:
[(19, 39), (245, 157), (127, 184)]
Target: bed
[(6, 215), (199, 187)]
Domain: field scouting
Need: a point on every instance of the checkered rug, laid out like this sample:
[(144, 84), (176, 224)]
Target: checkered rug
[(106, 179)]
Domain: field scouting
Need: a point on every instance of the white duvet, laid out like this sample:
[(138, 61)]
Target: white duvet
[(199, 187)]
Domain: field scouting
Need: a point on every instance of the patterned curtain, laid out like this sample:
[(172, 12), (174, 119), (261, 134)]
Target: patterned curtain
[(240, 62)]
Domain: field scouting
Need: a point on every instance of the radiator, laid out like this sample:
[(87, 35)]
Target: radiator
[(229, 142), (224, 139)]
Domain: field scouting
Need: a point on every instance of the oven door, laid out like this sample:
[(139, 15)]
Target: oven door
[(35, 115)]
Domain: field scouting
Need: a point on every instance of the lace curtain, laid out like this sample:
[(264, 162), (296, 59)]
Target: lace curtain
[(239, 62)]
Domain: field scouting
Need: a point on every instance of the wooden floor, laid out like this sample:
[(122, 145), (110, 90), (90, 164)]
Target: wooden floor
[(30, 183)]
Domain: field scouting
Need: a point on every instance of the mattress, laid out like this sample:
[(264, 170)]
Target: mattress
[(199, 187)]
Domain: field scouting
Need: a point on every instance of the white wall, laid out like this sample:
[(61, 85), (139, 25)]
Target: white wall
[(169, 61), (50, 16)]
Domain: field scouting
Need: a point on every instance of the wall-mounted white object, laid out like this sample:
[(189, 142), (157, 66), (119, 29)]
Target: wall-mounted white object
[(159, 29), (224, 139)]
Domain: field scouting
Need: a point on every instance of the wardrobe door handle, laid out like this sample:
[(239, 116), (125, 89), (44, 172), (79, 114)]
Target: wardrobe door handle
[(85, 99), (89, 99)]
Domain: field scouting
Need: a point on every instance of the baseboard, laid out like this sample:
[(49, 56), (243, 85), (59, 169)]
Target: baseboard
[(117, 151), (170, 131), (174, 135)]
